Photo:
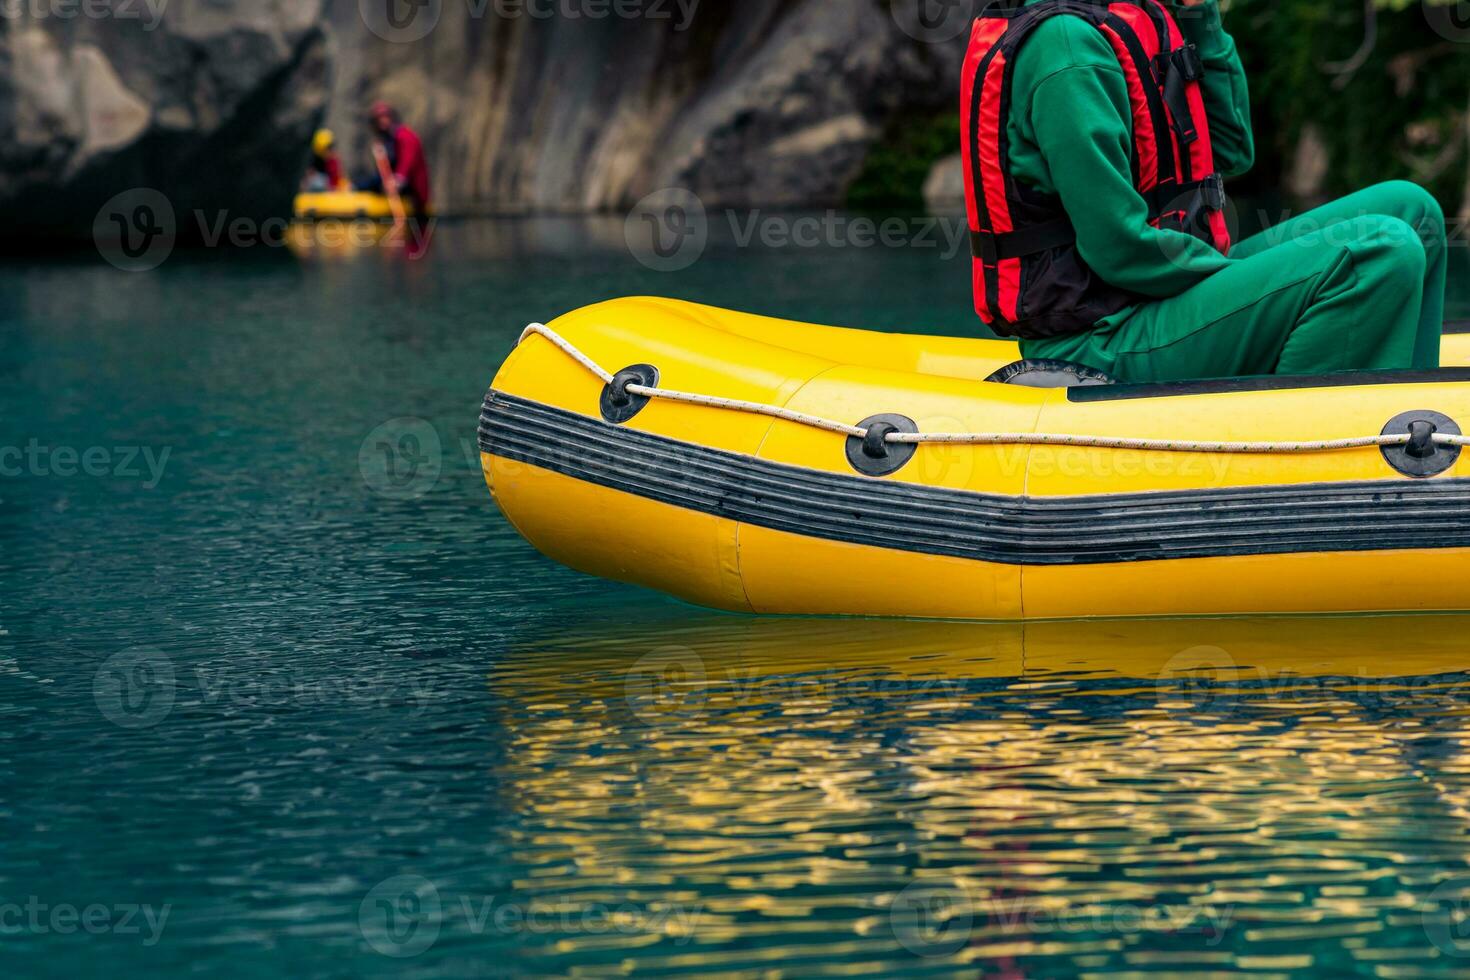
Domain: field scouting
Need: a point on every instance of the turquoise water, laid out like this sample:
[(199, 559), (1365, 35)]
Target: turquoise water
[(271, 709)]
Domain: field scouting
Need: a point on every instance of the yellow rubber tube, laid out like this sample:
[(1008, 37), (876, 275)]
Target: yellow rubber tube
[(704, 555), (344, 204)]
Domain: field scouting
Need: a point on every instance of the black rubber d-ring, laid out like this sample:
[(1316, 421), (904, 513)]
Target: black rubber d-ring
[(618, 403), (1421, 458), (873, 457)]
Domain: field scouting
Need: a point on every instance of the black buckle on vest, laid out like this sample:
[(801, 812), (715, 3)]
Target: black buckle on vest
[(1187, 62), (1185, 68), (1212, 192), (1209, 198), (982, 246), (1185, 206)]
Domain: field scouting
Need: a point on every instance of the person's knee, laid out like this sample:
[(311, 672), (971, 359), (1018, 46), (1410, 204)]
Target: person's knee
[(1419, 208), (1389, 234), (1389, 253)]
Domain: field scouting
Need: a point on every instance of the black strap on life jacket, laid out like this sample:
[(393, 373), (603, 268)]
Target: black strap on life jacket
[(1203, 196)]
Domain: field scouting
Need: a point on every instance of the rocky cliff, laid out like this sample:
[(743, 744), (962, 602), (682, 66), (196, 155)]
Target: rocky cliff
[(578, 105), (209, 102), (524, 105), (539, 105)]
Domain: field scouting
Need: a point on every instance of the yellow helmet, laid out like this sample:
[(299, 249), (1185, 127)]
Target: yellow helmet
[(322, 142)]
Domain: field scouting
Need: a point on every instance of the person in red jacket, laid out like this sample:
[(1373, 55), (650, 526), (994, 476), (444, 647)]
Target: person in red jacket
[(405, 157)]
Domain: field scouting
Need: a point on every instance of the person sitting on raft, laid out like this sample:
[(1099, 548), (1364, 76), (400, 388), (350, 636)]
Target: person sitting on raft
[(324, 173), (406, 159), (1095, 140)]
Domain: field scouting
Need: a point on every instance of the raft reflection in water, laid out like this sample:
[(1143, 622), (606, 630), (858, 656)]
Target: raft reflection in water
[(1051, 799)]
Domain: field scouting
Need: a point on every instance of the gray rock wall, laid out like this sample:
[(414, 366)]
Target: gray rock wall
[(209, 102), (212, 102), (761, 102)]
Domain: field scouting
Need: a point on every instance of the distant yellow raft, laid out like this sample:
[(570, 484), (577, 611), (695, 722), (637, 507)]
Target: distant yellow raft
[(344, 204), (739, 495)]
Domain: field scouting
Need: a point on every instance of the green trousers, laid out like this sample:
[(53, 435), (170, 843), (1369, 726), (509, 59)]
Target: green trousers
[(1355, 285)]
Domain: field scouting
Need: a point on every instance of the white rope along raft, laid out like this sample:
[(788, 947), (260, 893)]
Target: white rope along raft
[(987, 438)]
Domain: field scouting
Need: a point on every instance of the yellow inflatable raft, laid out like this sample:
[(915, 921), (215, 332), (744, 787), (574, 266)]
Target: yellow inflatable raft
[(344, 204), (762, 465)]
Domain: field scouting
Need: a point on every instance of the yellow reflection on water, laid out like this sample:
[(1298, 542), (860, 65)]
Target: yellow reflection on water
[(794, 797)]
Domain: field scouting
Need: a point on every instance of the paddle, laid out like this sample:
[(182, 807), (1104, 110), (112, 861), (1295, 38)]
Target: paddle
[(390, 187)]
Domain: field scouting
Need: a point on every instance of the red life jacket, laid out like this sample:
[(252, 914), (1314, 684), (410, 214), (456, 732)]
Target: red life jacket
[(1030, 279)]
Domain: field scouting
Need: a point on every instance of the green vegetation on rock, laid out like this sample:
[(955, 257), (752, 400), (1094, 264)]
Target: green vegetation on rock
[(894, 174), (1384, 93)]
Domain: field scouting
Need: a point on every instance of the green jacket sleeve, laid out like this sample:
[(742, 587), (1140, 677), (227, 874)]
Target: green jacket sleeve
[(1227, 96), (1080, 120)]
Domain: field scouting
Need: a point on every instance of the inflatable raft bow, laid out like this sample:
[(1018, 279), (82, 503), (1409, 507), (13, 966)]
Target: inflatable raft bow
[(344, 205)]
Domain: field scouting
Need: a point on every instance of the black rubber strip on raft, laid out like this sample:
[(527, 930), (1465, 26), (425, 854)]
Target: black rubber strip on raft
[(1346, 379), (1080, 530)]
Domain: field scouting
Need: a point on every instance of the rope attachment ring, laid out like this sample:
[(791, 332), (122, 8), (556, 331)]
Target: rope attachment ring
[(622, 398), (873, 454), (1424, 453)]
